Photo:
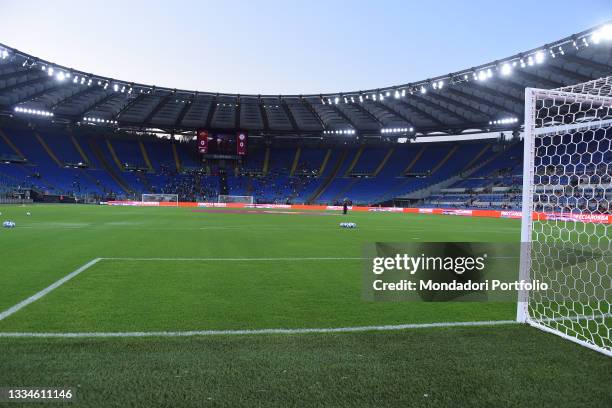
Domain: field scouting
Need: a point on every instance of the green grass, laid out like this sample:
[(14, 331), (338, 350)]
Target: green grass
[(513, 365)]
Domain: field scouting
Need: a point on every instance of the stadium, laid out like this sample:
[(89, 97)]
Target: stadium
[(175, 247)]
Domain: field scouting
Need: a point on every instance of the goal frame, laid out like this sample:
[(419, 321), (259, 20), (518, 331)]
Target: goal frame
[(248, 200), (175, 197), (529, 150)]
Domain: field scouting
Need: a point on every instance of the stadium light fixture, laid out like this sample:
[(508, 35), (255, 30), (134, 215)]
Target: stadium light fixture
[(336, 100), (4, 54), (36, 112), (360, 98), (504, 121), (482, 75), (395, 130), (99, 120), (539, 57), (506, 69), (403, 92), (423, 90), (397, 94), (603, 34), (60, 76)]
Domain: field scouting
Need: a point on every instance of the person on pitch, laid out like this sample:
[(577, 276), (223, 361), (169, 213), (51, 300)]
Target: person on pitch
[(345, 206)]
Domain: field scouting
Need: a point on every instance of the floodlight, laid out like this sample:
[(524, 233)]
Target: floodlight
[(506, 69)]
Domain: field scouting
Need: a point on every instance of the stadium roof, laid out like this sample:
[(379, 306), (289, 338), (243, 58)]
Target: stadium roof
[(484, 98)]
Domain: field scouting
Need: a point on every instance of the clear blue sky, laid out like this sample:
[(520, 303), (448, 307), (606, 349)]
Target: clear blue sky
[(290, 46)]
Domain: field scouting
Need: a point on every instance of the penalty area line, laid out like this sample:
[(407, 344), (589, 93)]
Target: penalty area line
[(261, 331), (13, 309)]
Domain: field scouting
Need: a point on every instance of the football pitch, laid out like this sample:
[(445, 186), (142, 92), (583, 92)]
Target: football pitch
[(201, 307)]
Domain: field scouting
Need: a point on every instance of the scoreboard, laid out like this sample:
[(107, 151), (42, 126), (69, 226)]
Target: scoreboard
[(222, 144)]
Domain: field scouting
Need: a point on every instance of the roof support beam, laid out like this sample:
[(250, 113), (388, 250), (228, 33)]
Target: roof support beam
[(436, 105), (237, 114), (497, 93), (264, 116), (129, 105), (511, 84), (484, 101), (211, 112), (36, 94), (9, 75), (344, 116), (598, 66), (537, 79), (369, 114), (456, 103), (312, 110), (421, 112), (24, 83), (289, 115), (67, 99), (184, 111), (94, 105), (392, 111), (160, 105), (568, 74)]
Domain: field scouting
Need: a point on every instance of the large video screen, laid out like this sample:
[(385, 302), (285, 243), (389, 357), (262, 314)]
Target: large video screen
[(211, 143)]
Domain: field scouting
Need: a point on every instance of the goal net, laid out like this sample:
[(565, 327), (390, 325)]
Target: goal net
[(566, 227), (160, 198), (235, 199)]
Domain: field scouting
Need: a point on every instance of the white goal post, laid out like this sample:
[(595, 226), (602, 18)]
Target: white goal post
[(566, 233), (234, 199), (160, 198)]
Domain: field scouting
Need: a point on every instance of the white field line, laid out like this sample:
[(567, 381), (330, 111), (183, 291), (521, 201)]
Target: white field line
[(55, 285), (235, 259), (262, 331), (261, 259)]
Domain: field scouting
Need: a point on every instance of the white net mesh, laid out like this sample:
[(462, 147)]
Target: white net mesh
[(235, 199), (160, 198), (568, 171)]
